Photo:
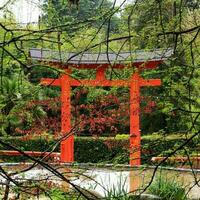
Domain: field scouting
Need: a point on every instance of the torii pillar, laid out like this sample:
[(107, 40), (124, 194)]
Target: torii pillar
[(135, 135), (67, 144)]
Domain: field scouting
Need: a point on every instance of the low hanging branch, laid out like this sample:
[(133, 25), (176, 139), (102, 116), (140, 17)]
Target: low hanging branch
[(196, 28)]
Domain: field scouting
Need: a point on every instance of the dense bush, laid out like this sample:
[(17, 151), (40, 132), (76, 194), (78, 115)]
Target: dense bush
[(105, 149)]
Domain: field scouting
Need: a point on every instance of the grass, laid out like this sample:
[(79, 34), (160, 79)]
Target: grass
[(167, 189)]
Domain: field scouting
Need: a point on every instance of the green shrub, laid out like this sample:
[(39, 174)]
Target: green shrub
[(87, 149), (103, 149)]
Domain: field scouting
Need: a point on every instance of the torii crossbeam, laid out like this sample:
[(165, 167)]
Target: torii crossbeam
[(65, 82)]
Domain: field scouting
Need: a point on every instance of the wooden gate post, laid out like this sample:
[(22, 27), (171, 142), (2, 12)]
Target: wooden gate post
[(67, 144), (135, 153)]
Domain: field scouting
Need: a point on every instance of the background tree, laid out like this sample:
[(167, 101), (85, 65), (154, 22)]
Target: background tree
[(95, 12)]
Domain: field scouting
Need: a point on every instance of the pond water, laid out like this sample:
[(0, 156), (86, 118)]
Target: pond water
[(136, 180), (104, 180)]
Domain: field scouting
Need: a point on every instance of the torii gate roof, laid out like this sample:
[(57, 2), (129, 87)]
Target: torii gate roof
[(90, 60)]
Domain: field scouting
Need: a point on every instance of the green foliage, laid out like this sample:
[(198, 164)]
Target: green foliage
[(96, 11), (118, 192), (58, 194), (16, 93), (106, 150), (85, 148), (168, 189)]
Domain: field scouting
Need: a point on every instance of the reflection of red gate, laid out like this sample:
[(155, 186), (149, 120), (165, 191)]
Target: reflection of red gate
[(100, 62)]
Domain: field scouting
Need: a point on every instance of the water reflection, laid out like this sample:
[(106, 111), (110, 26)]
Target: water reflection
[(117, 181)]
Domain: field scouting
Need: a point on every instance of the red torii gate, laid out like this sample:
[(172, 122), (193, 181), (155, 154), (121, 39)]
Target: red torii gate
[(101, 62)]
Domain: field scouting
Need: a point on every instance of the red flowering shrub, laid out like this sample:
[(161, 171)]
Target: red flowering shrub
[(106, 115), (38, 117)]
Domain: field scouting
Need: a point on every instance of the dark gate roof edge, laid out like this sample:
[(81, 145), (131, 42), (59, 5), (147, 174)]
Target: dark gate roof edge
[(100, 58)]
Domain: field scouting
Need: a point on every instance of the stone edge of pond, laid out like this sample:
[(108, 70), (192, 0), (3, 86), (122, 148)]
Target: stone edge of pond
[(119, 167)]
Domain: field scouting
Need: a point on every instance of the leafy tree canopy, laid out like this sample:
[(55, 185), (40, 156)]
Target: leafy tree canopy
[(96, 12)]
